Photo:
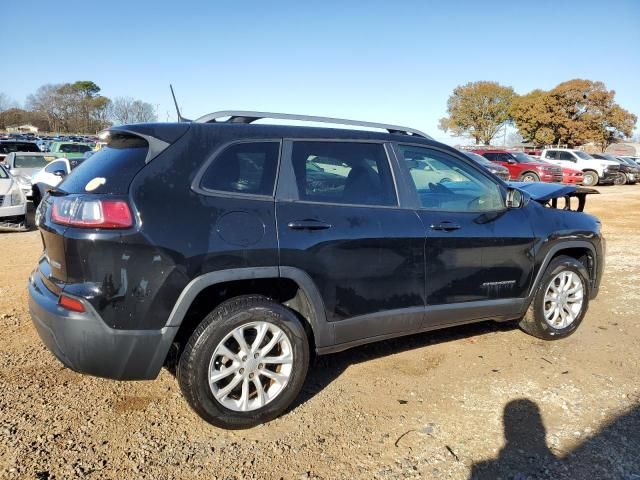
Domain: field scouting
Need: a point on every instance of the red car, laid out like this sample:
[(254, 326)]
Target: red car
[(522, 167), (572, 176)]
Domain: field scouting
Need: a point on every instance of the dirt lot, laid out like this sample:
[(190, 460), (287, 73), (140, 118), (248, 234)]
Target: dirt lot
[(485, 400)]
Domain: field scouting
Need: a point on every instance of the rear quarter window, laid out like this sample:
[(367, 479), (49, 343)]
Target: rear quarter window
[(117, 163)]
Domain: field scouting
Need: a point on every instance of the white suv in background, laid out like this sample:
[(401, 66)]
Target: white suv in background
[(595, 171)]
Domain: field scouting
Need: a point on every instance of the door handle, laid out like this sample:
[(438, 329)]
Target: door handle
[(446, 226), (308, 225)]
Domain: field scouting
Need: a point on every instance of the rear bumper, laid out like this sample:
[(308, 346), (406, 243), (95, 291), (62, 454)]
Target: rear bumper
[(85, 344), (13, 211)]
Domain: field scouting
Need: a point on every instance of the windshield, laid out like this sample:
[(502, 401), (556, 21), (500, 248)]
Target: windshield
[(29, 161), (9, 147), (582, 155), (523, 157), (480, 159)]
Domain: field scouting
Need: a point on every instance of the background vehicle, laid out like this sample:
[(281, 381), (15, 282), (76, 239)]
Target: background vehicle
[(230, 255), (50, 176), (495, 168), (69, 150), (596, 171), (13, 204), (570, 176), (629, 173), (8, 146), (23, 165), (523, 167)]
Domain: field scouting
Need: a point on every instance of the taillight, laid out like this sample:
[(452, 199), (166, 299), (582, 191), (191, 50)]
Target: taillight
[(70, 303), (88, 212)]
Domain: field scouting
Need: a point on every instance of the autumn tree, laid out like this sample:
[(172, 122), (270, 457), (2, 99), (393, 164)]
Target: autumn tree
[(478, 110), (573, 113)]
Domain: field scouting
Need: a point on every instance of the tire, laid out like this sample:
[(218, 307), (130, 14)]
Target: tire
[(529, 177), (534, 322), (201, 360), (590, 178), (620, 179), (36, 198)]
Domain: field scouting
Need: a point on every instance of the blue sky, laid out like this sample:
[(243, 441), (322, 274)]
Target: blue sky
[(392, 62)]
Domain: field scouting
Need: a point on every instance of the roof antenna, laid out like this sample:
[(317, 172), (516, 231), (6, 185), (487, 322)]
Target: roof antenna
[(180, 117)]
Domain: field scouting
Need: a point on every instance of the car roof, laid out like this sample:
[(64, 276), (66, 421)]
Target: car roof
[(31, 154)]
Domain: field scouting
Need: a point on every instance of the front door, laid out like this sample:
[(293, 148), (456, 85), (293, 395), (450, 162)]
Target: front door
[(478, 253), (345, 229)]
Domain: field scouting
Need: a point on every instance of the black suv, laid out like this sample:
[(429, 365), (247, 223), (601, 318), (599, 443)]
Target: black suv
[(234, 251)]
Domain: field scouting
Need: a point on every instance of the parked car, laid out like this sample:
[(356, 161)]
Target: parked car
[(23, 165), (210, 246), (69, 150), (628, 173), (51, 175), (636, 160), (570, 176), (13, 204), (8, 146), (523, 167), (495, 168), (595, 171)]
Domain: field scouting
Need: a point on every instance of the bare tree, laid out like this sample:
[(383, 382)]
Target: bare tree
[(128, 110), (6, 102)]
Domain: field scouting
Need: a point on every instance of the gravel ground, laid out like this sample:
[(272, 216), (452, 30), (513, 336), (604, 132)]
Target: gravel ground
[(479, 401)]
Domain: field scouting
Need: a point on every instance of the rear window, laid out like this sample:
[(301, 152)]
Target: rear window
[(74, 148), (29, 161), (111, 169), (18, 147)]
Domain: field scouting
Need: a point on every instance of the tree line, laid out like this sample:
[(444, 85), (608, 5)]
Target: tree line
[(573, 113), (77, 107)]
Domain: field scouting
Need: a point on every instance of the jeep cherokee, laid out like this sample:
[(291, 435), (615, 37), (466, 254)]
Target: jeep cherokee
[(233, 251)]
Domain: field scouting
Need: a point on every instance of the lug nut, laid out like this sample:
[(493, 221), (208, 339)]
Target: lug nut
[(241, 370), (244, 358), (261, 366), (251, 375), (256, 355)]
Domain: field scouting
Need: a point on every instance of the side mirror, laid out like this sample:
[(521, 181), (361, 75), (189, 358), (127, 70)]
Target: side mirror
[(515, 198), (60, 173)]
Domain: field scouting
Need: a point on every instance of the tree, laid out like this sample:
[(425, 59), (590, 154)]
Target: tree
[(573, 113), (127, 110), (6, 103), (478, 110)]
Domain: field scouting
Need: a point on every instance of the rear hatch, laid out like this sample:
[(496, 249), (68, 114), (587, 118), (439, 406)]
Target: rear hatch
[(87, 213)]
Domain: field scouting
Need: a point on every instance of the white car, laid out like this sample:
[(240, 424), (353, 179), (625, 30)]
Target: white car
[(22, 165), (48, 177), (13, 204), (595, 170)]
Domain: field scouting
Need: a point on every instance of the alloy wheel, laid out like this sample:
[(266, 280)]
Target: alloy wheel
[(563, 299)]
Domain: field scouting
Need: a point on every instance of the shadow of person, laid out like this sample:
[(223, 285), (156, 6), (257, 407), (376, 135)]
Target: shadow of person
[(525, 454)]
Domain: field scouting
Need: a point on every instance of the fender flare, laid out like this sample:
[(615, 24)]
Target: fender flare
[(553, 251), (322, 330)]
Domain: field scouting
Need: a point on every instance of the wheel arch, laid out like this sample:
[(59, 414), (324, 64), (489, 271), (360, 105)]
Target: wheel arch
[(296, 290), (576, 249)]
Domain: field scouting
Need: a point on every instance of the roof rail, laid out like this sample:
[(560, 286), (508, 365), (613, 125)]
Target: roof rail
[(249, 117)]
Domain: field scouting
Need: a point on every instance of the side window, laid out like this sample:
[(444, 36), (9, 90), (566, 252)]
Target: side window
[(566, 156), (551, 155), (244, 168), (505, 157), (491, 156), (446, 183), (343, 172), (53, 166)]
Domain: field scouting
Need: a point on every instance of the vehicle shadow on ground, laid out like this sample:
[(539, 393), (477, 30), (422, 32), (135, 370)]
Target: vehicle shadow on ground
[(612, 453), (325, 369)]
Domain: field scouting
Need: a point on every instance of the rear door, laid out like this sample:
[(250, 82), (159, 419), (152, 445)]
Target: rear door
[(345, 229), (478, 253)]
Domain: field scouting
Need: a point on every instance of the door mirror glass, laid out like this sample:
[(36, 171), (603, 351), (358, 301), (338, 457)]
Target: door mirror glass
[(515, 198)]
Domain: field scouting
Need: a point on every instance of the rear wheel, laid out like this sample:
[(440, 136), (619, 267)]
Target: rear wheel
[(36, 198), (590, 178), (245, 363), (530, 177), (560, 302)]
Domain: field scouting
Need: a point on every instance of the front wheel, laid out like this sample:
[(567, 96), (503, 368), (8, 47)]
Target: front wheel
[(245, 363), (620, 179), (590, 178), (561, 301), (530, 177)]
